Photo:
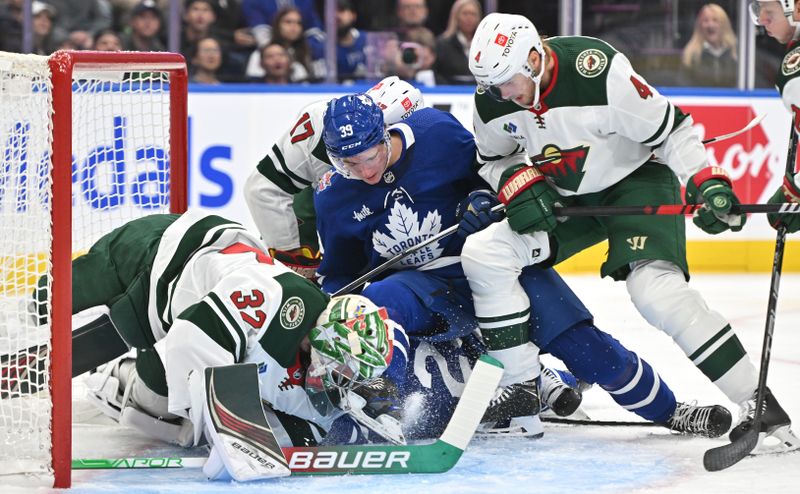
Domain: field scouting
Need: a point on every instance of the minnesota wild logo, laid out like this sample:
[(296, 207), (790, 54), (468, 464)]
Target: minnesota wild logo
[(590, 63), (564, 167), (405, 230), (791, 62)]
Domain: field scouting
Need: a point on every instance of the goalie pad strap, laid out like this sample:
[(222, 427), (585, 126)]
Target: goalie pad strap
[(518, 182), (709, 173)]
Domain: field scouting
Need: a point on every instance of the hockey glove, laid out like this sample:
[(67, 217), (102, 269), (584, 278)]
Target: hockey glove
[(302, 260), (475, 212), (788, 192), (529, 200), (713, 186), (382, 397)]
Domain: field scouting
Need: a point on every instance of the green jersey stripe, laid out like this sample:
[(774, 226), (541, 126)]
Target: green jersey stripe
[(286, 170), (267, 168)]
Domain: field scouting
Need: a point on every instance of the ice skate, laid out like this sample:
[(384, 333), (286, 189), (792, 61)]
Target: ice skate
[(709, 421), (556, 395), (514, 410), (775, 435)]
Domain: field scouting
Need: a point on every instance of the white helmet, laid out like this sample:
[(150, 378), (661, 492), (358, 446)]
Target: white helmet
[(397, 98), (787, 5), (500, 50)]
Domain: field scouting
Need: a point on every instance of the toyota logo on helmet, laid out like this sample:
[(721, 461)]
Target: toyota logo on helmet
[(500, 49)]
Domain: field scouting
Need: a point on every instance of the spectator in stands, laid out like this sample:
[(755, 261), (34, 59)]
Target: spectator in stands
[(206, 61), (107, 40), (145, 27), (709, 58), (199, 17), (82, 19), (11, 25), (308, 54), (276, 62), (411, 14), (260, 15), (351, 61), (417, 56), (46, 37), (452, 48)]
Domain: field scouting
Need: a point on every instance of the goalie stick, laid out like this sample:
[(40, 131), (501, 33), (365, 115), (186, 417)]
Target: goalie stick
[(438, 457), (722, 457)]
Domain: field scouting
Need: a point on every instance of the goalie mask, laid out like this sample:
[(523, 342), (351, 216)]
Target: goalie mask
[(352, 125), (351, 344), (787, 6), (397, 98), (500, 50)]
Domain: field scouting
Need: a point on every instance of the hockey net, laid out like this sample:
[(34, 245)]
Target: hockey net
[(88, 142)]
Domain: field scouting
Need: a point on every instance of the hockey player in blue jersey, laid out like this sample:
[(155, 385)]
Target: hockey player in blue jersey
[(395, 187)]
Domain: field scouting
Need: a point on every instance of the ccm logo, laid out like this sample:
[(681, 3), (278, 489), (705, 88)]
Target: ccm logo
[(334, 460), (501, 39)]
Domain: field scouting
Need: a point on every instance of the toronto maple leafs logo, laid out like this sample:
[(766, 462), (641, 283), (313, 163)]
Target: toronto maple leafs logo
[(405, 230)]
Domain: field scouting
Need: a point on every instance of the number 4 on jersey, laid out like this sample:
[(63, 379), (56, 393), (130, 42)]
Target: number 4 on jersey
[(641, 88)]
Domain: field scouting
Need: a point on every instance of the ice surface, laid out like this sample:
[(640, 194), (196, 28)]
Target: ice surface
[(569, 458)]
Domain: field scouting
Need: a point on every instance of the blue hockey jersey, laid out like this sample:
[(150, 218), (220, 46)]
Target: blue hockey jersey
[(361, 225)]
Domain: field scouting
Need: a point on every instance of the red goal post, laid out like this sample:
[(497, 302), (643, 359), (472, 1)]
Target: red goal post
[(90, 140)]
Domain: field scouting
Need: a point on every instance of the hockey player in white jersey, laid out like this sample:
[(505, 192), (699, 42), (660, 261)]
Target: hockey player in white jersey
[(279, 191), (196, 291), (598, 135)]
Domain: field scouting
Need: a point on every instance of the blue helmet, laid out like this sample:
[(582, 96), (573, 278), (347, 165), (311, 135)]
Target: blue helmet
[(352, 124)]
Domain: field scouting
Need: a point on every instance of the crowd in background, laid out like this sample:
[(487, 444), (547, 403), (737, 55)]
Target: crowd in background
[(425, 41)]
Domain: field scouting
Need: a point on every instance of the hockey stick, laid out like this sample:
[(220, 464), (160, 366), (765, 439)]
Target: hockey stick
[(604, 423), (668, 209), (440, 456), (577, 211), (722, 457)]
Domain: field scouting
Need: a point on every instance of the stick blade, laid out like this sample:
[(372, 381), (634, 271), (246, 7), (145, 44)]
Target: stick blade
[(725, 456)]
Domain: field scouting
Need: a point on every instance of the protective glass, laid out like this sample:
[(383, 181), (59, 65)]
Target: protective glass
[(770, 11)]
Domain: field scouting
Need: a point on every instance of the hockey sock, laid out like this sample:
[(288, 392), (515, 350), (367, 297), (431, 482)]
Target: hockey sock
[(596, 357)]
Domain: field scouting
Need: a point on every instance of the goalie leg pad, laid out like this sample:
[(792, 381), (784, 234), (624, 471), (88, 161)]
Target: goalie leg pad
[(661, 294), (241, 438)]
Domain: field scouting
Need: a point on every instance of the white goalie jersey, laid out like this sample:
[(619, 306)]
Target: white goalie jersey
[(228, 302)]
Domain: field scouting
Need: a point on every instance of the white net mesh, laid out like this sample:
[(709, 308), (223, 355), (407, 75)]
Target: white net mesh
[(120, 171)]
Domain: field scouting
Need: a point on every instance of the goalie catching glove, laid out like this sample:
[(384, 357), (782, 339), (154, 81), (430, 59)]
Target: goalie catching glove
[(529, 200), (302, 260), (788, 192), (713, 186)]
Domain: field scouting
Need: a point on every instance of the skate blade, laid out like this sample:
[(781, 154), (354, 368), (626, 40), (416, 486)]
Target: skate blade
[(530, 427), (782, 440)]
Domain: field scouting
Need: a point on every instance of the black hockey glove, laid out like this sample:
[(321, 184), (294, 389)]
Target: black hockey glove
[(529, 200), (713, 186), (382, 397), (788, 192), (475, 212)]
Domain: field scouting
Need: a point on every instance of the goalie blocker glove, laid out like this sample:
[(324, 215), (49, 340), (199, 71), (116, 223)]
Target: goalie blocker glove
[(788, 192), (713, 186), (302, 260), (529, 200)]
